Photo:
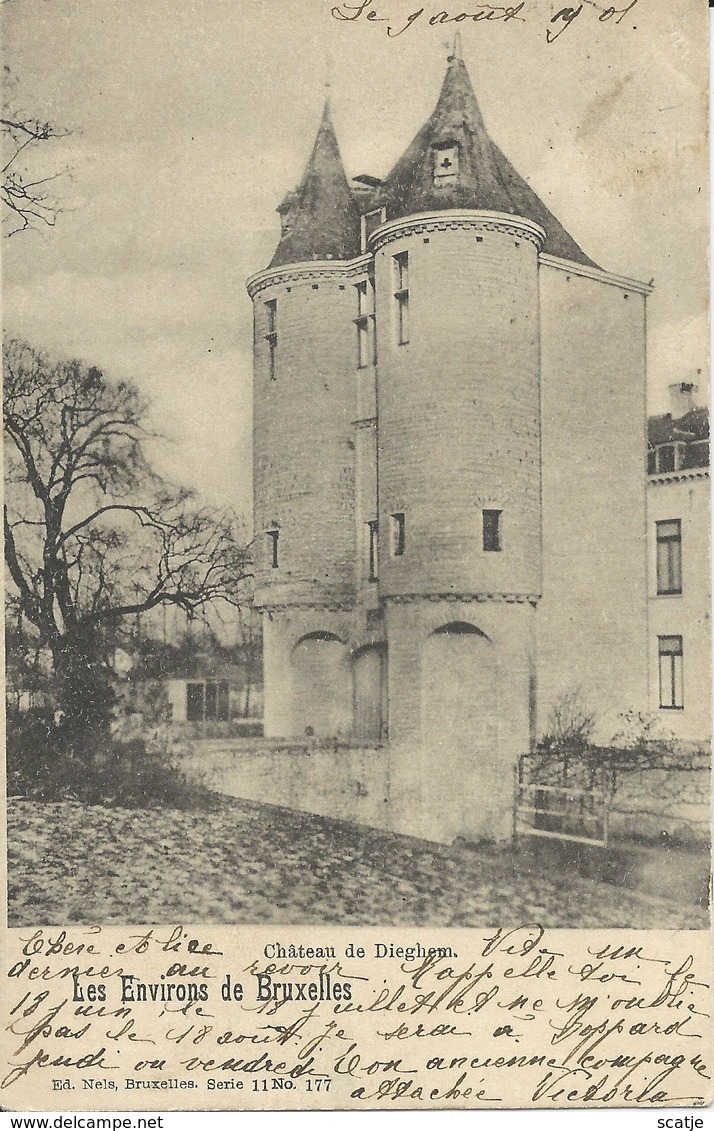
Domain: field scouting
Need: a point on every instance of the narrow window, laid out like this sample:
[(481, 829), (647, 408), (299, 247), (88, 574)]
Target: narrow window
[(373, 317), (669, 556), (271, 337), (273, 536), (401, 295), (211, 700), (492, 530), (398, 540), (366, 324), (195, 702), (362, 324), (671, 682), (373, 529)]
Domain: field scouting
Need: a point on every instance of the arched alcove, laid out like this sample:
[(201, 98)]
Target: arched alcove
[(459, 628), (318, 635), (459, 721), (322, 688)]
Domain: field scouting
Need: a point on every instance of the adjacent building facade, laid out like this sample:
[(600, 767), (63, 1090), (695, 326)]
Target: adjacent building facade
[(678, 510), (449, 470)]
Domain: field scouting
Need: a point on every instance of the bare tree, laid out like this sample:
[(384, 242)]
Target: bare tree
[(570, 723), (26, 194), (92, 534)]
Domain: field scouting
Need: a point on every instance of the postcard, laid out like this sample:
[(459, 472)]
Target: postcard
[(357, 544)]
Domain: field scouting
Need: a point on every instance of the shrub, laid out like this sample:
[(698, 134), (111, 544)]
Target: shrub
[(656, 786), (570, 724), (134, 773)]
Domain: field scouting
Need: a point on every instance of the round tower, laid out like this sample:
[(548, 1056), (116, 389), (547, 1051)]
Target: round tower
[(304, 451), (459, 495), (459, 405), (456, 276), (303, 438)]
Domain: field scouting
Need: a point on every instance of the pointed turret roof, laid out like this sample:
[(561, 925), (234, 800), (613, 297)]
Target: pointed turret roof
[(320, 218), (486, 180)]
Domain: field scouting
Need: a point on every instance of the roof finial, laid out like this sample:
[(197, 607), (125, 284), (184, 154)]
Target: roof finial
[(456, 49)]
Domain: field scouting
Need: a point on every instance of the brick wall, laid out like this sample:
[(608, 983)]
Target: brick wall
[(686, 497), (592, 617)]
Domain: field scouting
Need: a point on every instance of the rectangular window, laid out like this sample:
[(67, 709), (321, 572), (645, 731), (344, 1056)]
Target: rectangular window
[(195, 699), (362, 324), (696, 454), (666, 458), (366, 324), (271, 337), (217, 700), (671, 681), (398, 539), (211, 700), (669, 556), (373, 317), (207, 701), (273, 536), (401, 296), (492, 530), (373, 529)]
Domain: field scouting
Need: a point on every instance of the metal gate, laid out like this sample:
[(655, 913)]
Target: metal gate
[(571, 812)]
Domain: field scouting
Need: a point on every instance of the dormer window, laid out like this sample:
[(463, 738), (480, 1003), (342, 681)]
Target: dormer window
[(666, 458), (285, 211), (446, 163)]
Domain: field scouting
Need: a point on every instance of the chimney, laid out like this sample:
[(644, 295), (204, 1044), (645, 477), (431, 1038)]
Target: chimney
[(682, 396)]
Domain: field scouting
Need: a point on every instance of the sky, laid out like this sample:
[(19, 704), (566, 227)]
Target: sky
[(188, 120)]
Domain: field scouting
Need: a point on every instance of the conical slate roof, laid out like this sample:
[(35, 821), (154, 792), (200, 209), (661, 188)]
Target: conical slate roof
[(320, 219), (485, 180)]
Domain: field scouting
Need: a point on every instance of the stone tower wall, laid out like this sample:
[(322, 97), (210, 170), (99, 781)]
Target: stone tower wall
[(459, 404), (304, 437)]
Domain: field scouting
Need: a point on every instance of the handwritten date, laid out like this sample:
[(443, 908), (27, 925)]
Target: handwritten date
[(366, 12)]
